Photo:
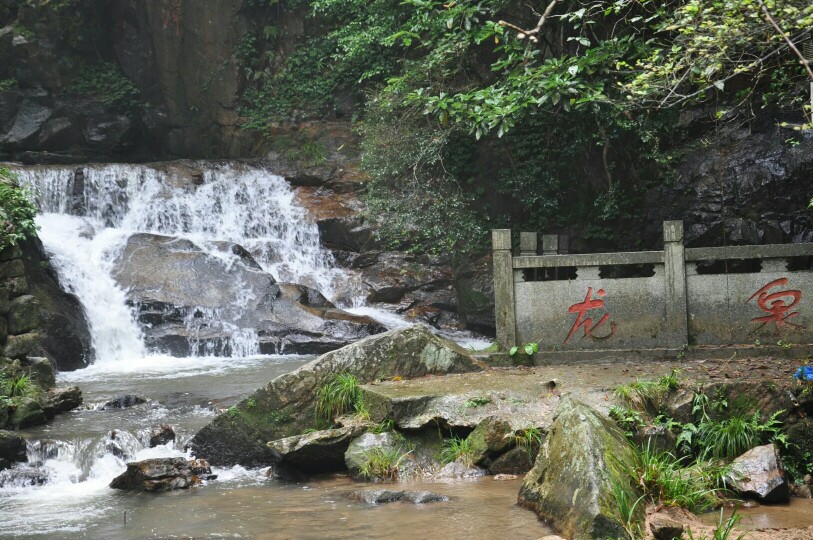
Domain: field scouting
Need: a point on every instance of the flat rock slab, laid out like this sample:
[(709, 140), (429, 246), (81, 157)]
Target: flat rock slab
[(317, 451), (382, 496), (522, 398)]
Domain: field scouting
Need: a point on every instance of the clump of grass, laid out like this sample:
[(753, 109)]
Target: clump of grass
[(529, 439), (648, 395), (478, 401), (16, 386), (382, 463), (663, 479), (627, 511), (383, 426), (730, 437), (455, 449), (339, 396)]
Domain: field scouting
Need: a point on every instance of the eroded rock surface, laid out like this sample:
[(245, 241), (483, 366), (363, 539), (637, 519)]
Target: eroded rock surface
[(161, 474), (285, 407), (570, 486)]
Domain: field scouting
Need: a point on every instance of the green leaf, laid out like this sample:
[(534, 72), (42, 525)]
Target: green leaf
[(513, 350)]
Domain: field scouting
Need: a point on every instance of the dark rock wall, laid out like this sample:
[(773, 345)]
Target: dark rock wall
[(37, 318)]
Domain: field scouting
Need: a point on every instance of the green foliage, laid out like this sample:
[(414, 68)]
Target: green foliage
[(628, 420), (723, 530), (17, 212), (16, 386), (339, 396), (7, 84), (664, 480), (383, 463), (732, 436), (628, 511), (529, 349), (478, 401), (455, 449), (107, 83), (529, 439), (383, 426)]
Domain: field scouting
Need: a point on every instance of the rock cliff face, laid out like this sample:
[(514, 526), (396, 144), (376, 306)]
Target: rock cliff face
[(37, 318)]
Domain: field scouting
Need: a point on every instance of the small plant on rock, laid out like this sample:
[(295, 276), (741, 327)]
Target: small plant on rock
[(339, 396), (529, 439), (455, 449), (19, 386), (382, 463)]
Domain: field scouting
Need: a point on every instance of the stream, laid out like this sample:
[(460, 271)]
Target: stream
[(81, 459)]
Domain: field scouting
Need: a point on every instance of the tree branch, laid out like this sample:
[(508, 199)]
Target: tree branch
[(531, 34), (802, 59)]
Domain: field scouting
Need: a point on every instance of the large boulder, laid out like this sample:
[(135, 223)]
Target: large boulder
[(491, 436), (190, 301), (161, 474), (12, 447), (285, 407), (757, 473), (571, 484)]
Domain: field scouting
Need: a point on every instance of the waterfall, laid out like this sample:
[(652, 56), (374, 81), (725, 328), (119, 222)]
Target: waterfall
[(88, 214)]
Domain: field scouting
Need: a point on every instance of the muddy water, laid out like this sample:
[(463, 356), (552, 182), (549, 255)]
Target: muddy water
[(185, 393), (796, 515)]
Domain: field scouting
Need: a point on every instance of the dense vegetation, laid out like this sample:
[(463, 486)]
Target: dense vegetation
[(17, 212), (485, 112)]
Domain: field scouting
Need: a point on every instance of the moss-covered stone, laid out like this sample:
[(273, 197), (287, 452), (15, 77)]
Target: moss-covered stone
[(12, 269), (28, 413), (490, 437), (571, 484), (12, 447), (17, 286), (22, 345), (23, 315)]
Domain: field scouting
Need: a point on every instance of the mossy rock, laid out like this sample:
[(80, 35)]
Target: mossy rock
[(491, 436), (571, 484), (285, 407), (28, 413)]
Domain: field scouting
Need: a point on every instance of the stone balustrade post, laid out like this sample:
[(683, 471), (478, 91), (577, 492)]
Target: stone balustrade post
[(504, 305), (677, 308)]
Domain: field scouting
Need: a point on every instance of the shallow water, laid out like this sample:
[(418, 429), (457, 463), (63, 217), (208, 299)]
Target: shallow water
[(76, 502), (798, 514)]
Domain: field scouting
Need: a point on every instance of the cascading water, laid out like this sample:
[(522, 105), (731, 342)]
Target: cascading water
[(88, 215)]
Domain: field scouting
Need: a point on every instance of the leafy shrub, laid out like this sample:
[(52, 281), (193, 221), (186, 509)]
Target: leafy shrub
[(17, 212), (107, 83)]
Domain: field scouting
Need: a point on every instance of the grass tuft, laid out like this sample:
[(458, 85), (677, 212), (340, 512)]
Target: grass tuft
[(457, 449), (341, 395)]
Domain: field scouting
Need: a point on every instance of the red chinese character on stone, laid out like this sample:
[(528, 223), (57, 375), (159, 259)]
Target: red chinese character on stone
[(777, 305), (582, 320)]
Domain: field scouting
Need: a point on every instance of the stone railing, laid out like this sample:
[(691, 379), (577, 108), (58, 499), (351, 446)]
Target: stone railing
[(651, 299)]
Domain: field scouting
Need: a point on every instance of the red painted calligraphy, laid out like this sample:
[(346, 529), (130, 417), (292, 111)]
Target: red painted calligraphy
[(777, 305), (583, 321)]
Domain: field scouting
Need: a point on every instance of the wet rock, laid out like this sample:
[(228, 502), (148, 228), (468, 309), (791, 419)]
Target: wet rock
[(490, 437), (12, 447), (318, 451), (285, 406), (457, 469), (286, 473), (23, 315), (28, 413), (23, 345), (504, 477), (757, 473), (31, 117), (162, 434), (656, 437), (156, 475), (23, 476), (41, 371), (357, 453), (665, 528), (60, 400), (122, 402), (801, 491), (201, 469), (185, 298), (514, 461), (383, 496), (570, 486)]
